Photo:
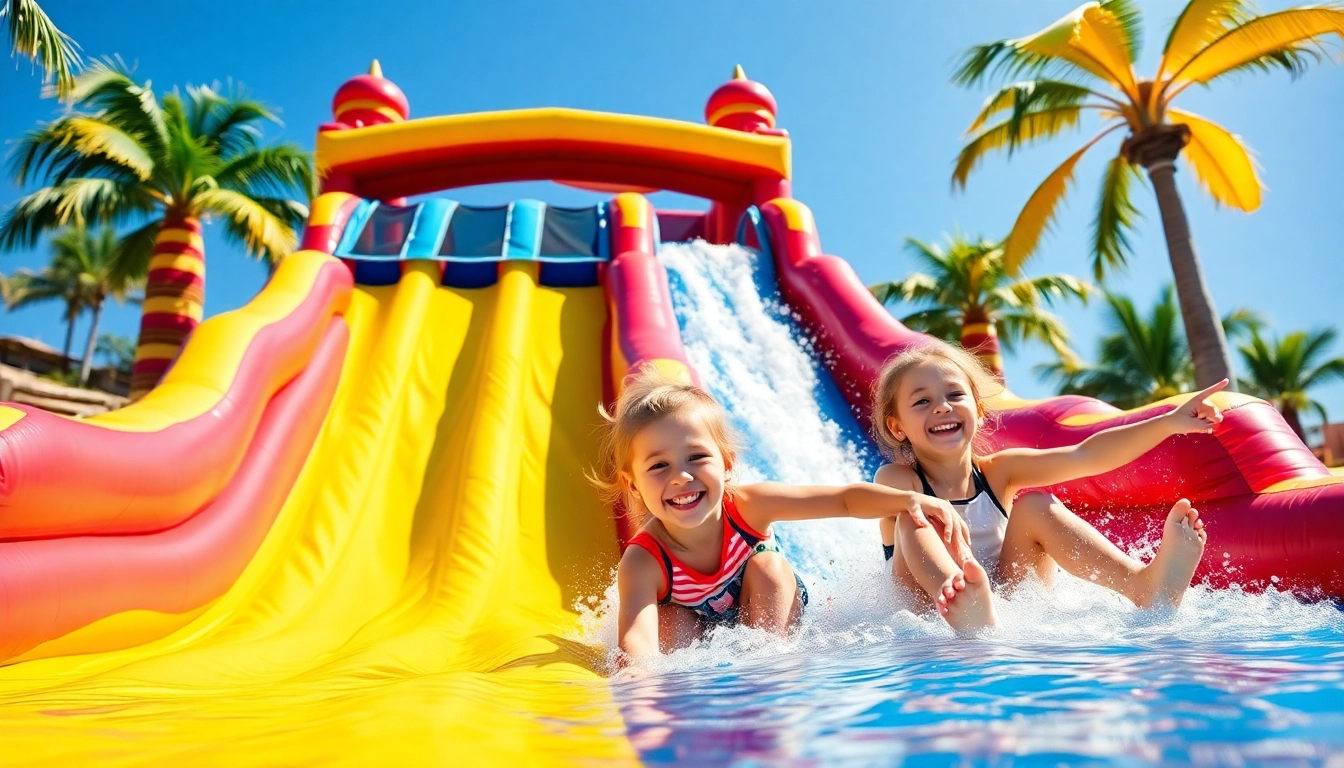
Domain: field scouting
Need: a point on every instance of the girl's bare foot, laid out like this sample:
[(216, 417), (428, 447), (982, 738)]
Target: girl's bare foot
[(1165, 580), (972, 607), (954, 584)]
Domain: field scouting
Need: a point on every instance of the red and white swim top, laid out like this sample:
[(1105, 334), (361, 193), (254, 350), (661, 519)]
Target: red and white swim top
[(714, 595)]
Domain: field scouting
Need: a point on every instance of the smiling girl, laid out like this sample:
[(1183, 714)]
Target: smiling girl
[(705, 553), (928, 415)]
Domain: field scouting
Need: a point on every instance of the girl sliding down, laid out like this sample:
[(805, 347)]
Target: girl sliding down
[(928, 410), (705, 553)]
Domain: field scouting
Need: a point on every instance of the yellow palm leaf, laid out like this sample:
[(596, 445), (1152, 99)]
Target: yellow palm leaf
[(1101, 37), (1259, 37), (1202, 22), (91, 136), (1089, 38), (1035, 125), (1039, 211), (1220, 162)]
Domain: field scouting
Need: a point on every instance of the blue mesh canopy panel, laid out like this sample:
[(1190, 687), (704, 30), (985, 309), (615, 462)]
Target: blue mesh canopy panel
[(570, 232), (386, 230), (476, 232)]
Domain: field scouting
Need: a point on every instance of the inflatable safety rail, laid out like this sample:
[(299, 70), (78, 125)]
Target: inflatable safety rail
[(1275, 514), (159, 505)]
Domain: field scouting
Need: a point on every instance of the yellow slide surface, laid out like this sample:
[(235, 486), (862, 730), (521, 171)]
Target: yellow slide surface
[(412, 601)]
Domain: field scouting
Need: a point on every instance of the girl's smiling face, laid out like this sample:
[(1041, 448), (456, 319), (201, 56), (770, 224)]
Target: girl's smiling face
[(935, 410), (677, 470)]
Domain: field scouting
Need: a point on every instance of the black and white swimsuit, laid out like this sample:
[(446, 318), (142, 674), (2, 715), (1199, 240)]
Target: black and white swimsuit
[(984, 515)]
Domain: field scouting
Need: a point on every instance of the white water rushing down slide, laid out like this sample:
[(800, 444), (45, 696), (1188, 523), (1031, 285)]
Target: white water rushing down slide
[(794, 426)]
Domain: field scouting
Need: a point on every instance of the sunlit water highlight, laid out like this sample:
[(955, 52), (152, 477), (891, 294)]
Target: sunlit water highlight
[(1076, 675)]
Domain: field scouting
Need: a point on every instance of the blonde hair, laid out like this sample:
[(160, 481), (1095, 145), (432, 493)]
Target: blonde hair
[(983, 385), (650, 396)]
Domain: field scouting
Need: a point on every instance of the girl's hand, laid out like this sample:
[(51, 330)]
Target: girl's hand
[(955, 529), (1197, 414)]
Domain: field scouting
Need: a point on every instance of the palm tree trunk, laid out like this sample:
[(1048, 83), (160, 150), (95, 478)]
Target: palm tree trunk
[(70, 317), (979, 336), (1203, 331), (174, 300), (91, 344), (1294, 423)]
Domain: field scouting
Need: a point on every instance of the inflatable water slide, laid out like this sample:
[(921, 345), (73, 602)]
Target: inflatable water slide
[(352, 524)]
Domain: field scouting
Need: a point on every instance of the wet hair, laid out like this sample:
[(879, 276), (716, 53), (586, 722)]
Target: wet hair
[(650, 396), (983, 386)]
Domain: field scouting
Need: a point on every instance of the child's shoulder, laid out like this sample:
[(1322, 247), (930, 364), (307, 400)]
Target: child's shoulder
[(897, 476), (638, 555)]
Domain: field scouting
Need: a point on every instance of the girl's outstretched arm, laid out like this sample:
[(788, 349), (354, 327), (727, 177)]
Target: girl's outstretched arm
[(1017, 468), (637, 578), (766, 503)]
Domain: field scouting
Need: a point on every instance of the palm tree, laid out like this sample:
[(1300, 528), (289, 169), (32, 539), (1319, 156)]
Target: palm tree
[(33, 35), (1142, 359), (86, 269), (103, 272), (1282, 370), (1085, 61), (56, 282), (126, 157), (969, 298)]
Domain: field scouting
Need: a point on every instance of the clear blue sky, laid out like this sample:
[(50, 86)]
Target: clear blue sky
[(862, 88)]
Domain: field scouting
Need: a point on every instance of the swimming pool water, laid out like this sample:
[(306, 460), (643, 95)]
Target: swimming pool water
[(1075, 675)]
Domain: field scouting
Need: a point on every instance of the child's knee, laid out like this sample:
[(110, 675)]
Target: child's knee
[(1035, 504), (769, 568)]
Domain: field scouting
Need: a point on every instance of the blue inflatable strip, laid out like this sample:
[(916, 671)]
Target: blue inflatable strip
[(429, 229), (522, 229), (354, 226)]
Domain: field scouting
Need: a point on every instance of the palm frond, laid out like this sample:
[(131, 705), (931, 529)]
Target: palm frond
[(915, 288), (264, 232), (1129, 19), (940, 322), (1242, 322), (106, 89), (1220, 161), (71, 202), (1260, 37), (1035, 324), (136, 248), (1200, 23), (1011, 134), (1116, 216), (92, 137), (25, 288), (280, 169), (33, 34), (1316, 343), (1046, 289), (1028, 96), (1004, 58), (1101, 43), (1074, 46), (1040, 209), (232, 127)]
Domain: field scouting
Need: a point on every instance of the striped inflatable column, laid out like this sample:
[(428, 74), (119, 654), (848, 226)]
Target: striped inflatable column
[(982, 338), (174, 300)]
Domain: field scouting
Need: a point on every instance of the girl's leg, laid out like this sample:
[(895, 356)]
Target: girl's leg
[(924, 564), (1043, 532), (678, 627), (770, 598)]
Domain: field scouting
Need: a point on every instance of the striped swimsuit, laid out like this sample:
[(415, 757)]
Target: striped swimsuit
[(713, 596)]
